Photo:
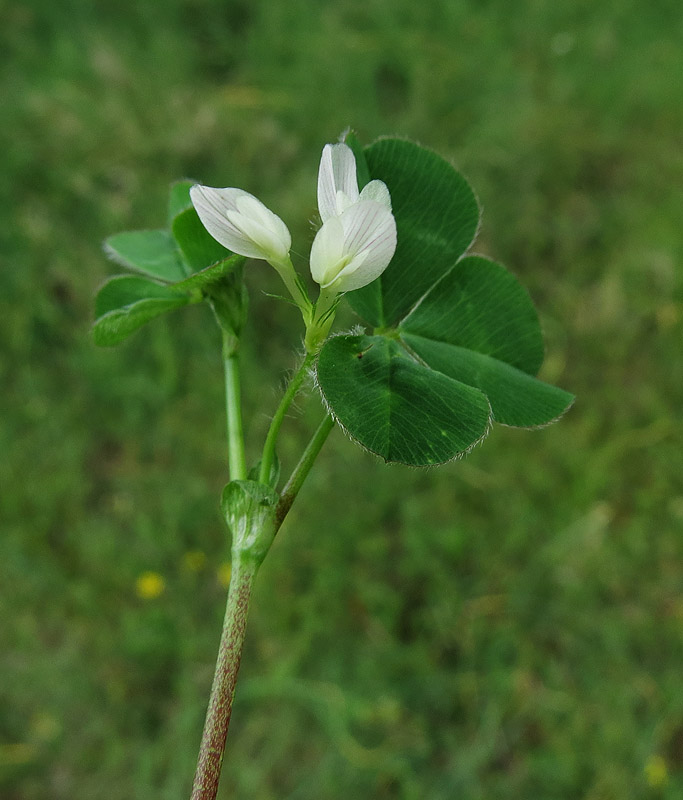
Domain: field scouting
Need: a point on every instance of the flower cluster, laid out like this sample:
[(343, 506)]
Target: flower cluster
[(353, 247)]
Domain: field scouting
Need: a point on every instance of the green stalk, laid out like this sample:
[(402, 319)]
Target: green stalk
[(244, 564), (298, 476), (276, 423), (207, 776), (233, 409)]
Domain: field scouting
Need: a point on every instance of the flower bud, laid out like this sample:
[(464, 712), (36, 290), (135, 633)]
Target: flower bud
[(240, 222)]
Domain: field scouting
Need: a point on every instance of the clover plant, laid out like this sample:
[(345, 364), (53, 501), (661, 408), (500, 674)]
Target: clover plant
[(449, 341)]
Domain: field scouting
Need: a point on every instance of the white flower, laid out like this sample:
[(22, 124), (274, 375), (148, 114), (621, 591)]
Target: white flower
[(358, 237), (240, 222), (353, 249), (338, 184)]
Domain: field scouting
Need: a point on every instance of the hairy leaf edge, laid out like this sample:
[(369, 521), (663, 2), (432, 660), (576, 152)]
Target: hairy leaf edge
[(462, 454)]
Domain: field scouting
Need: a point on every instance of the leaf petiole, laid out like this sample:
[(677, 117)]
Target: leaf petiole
[(298, 476), (278, 418), (233, 408)]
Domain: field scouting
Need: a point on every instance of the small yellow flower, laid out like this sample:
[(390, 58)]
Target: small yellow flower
[(223, 573), (194, 560), (17, 754), (149, 585), (45, 727), (656, 772), (667, 315)]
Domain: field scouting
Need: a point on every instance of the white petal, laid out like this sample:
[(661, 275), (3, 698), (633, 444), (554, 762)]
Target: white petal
[(352, 250), (263, 227), (342, 202), (337, 173), (377, 191), (268, 244), (353, 275), (369, 226), (327, 252), (369, 243), (250, 206), (240, 222)]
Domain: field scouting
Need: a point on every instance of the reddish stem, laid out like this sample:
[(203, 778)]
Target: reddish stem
[(211, 750)]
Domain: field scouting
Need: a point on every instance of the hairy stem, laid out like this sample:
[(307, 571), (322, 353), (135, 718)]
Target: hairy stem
[(208, 773), (276, 423)]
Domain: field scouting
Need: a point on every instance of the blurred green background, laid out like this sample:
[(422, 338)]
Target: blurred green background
[(509, 626)]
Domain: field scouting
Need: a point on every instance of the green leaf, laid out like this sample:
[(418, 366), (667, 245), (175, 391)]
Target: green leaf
[(153, 253), (179, 199), (197, 245), (126, 303), (210, 276), (482, 306), (516, 397), (479, 326), (476, 326), (437, 217), (396, 407)]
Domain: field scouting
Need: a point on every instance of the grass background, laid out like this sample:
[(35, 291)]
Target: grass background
[(510, 626)]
